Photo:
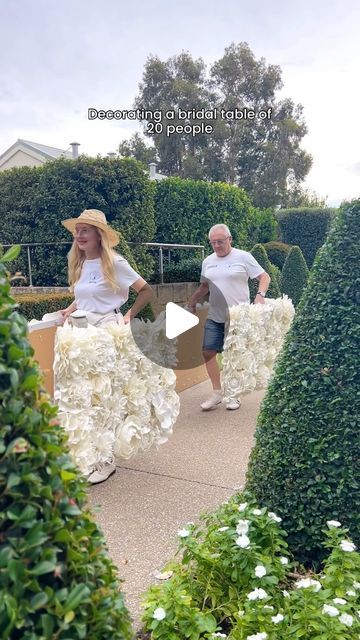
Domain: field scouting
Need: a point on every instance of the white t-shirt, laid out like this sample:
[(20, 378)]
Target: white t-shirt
[(227, 278), (93, 293)]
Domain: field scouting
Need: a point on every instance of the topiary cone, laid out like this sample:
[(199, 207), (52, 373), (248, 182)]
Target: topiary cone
[(305, 464), (56, 579), (294, 275), (259, 253)]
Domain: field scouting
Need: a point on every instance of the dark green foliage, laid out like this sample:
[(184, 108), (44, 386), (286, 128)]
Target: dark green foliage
[(187, 270), (186, 209), (277, 252), (34, 201), (56, 579), (260, 256), (306, 460), (35, 305), (306, 228), (294, 275), (262, 227)]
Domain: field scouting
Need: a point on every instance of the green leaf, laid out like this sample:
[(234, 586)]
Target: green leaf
[(43, 567), (39, 600), (11, 253), (67, 475), (78, 594)]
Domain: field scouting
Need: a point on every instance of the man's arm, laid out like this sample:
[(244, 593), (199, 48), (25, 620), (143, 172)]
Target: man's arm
[(264, 281), (200, 293)]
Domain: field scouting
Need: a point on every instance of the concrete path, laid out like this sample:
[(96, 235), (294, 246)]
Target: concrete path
[(142, 506)]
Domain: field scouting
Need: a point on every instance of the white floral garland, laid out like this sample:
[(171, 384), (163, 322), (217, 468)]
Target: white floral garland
[(255, 337), (111, 398)]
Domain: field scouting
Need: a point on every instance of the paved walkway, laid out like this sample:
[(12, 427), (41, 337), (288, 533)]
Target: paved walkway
[(142, 506)]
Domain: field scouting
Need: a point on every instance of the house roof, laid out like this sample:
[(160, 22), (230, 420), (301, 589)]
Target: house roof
[(42, 150)]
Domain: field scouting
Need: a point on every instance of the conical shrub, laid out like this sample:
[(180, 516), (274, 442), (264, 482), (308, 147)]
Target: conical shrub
[(260, 255), (56, 579), (305, 464), (294, 275)]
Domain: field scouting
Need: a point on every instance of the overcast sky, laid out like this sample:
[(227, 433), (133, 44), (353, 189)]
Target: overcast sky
[(59, 58)]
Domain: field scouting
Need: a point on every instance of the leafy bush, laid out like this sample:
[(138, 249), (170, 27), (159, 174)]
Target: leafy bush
[(306, 228), (305, 463), (56, 579), (186, 209), (236, 578), (260, 255), (262, 227), (277, 252), (294, 275), (34, 201)]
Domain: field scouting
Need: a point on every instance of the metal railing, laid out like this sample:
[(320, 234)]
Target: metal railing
[(160, 246)]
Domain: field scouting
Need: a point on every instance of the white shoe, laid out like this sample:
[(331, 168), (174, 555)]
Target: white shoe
[(101, 472), (214, 400), (232, 405)]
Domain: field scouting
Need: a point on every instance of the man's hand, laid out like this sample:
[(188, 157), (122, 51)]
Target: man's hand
[(127, 317), (191, 308)]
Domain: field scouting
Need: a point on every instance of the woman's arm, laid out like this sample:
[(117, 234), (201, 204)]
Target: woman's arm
[(144, 295), (66, 312)]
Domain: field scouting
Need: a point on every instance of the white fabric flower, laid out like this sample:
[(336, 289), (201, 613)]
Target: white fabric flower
[(339, 601), (242, 527), (284, 560), (243, 542), (333, 523), (330, 610), (274, 517), (257, 594), (346, 619), (159, 613), (260, 571), (305, 583), (347, 545), (183, 533), (278, 618)]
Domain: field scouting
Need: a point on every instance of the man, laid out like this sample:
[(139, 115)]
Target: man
[(224, 275)]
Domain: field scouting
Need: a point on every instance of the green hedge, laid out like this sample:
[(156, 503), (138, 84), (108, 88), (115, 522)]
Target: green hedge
[(186, 209), (306, 228), (277, 252), (187, 270), (56, 577), (260, 255), (305, 463), (294, 275), (34, 201)]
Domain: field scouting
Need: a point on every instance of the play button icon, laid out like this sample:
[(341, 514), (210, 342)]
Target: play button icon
[(178, 320)]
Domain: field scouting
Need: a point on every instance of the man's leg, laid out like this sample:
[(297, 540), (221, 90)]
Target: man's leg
[(212, 369)]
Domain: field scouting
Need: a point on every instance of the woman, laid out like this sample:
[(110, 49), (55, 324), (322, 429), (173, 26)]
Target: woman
[(100, 279)]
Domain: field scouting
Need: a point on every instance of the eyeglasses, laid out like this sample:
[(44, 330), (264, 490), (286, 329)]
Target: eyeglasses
[(219, 242), (82, 232)]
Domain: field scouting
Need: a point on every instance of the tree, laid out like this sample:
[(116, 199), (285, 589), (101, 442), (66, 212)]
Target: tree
[(56, 578), (305, 465), (294, 275), (261, 155), (137, 148)]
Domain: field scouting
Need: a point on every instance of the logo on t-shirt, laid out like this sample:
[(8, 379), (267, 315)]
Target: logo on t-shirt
[(94, 276)]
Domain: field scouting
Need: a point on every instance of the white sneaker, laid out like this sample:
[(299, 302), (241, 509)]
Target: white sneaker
[(214, 400), (232, 405), (101, 472)]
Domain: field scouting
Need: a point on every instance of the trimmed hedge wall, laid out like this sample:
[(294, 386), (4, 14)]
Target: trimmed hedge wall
[(34, 201), (186, 209), (306, 228), (306, 461)]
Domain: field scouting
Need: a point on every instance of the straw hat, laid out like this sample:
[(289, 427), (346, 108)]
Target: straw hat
[(97, 219)]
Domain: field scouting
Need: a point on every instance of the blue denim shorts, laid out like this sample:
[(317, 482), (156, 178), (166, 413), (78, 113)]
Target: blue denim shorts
[(213, 336)]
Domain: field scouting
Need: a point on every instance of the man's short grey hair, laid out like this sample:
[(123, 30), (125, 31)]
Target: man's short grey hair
[(220, 227)]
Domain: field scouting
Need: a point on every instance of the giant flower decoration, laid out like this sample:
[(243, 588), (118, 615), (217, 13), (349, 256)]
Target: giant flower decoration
[(111, 398)]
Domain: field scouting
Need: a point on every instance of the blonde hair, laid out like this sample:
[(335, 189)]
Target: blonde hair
[(76, 259)]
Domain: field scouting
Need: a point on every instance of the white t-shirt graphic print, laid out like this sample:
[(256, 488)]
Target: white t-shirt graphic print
[(93, 293), (227, 277)]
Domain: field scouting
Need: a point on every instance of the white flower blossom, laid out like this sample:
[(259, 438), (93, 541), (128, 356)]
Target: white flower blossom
[(330, 610), (286, 594), (260, 571), (223, 529), (305, 583), (346, 619), (256, 512), (278, 618), (217, 634), (243, 542), (351, 593), (262, 635), (159, 614), (356, 585), (257, 594), (339, 601), (347, 545), (242, 527), (333, 523), (183, 533), (284, 560), (274, 517), (242, 506)]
